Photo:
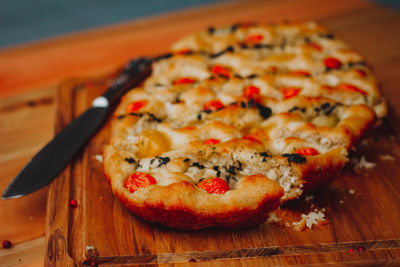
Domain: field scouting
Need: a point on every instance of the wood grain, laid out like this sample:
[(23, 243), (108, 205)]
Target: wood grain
[(26, 123)]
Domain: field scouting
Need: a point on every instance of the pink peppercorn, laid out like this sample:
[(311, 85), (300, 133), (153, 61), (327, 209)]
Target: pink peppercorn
[(361, 248), (7, 244), (73, 203)]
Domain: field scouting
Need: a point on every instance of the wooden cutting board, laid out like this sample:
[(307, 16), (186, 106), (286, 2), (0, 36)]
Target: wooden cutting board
[(362, 210)]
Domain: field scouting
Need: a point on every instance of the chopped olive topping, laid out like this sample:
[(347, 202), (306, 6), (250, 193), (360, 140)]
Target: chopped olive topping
[(216, 168), (240, 165), (325, 105), (296, 158), (307, 39), (264, 155), (303, 110), (228, 49), (251, 102), (198, 165), (243, 104), (229, 177), (326, 108), (235, 26), (164, 56), (329, 36), (265, 112), (130, 114), (238, 76), (357, 64), (223, 76), (186, 160), (211, 30), (161, 161), (232, 168), (151, 118), (199, 117), (130, 160), (252, 76), (158, 84), (244, 46), (329, 110)]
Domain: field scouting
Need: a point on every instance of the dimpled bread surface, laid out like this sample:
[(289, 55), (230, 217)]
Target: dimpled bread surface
[(272, 110)]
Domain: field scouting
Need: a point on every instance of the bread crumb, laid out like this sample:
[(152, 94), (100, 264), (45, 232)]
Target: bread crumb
[(273, 218), (386, 157), (308, 220), (364, 164), (99, 157), (341, 201), (352, 191), (364, 142), (308, 198)]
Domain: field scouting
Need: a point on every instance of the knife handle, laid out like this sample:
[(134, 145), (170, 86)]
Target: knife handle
[(133, 73)]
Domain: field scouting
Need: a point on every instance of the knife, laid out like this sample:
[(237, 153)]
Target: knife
[(53, 158)]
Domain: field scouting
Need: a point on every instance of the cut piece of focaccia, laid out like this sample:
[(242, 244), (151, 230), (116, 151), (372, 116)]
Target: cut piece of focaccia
[(236, 120)]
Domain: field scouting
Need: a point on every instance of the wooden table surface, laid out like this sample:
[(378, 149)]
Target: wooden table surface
[(29, 75)]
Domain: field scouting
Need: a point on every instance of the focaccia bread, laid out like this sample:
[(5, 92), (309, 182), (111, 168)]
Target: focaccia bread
[(236, 120)]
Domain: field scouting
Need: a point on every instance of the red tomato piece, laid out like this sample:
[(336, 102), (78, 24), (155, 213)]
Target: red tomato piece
[(351, 88), (255, 38), (251, 92), (315, 46), (184, 80), (136, 105), (307, 151), (332, 63), (183, 51), (361, 72), (290, 92), (188, 128), (251, 138), (301, 72), (273, 69), (211, 141), (219, 70), (214, 185), (138, 180), (213, 105)]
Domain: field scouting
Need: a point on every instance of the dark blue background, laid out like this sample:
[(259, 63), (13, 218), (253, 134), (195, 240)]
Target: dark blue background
[(27, 20)]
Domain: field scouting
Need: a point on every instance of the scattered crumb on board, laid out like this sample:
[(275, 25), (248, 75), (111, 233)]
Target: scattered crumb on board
[(99, 157), (352, 191), (309, 197), (386, 157), (315, 217), (363, 164), (308, 220), (273, 218)]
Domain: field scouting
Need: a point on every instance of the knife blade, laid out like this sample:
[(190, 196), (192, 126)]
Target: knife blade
[(54, 156)]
